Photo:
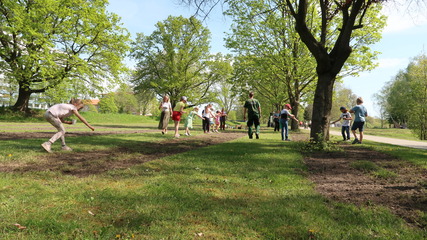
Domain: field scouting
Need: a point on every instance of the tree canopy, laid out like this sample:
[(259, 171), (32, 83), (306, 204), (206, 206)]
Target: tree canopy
[(173, 60), (44, 43)]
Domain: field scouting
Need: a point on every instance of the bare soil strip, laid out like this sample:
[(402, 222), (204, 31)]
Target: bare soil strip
[(405, 195), (47, 135), (95, 162)]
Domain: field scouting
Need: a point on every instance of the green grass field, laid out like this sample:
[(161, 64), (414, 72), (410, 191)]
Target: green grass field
[(235, 190)]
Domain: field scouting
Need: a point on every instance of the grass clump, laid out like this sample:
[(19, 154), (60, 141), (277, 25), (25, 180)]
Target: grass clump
[(373, 169), (365, 166)]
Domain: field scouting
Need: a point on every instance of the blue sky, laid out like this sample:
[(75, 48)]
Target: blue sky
[(404, 38)]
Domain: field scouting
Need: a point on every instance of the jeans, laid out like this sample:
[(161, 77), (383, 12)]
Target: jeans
[(284, 126), (345, 130)]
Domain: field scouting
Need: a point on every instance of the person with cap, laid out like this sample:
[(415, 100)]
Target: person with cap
[(178, 110), (345, 127), (284, 116)]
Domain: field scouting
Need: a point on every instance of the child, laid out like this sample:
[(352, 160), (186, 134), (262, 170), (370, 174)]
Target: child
[(217, 120), (360, 113), (284, 115), (189, 120), (55, 115), (177, 113), (345, 128)]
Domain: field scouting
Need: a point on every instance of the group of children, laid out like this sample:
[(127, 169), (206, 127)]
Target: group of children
[(56, 114), (360, 114), (209, 117)]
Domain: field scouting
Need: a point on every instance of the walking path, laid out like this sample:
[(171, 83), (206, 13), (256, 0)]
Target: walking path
[(393, 141)]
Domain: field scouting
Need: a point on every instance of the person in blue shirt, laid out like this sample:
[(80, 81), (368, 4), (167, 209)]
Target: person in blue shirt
[(360, 113), (284, 116)]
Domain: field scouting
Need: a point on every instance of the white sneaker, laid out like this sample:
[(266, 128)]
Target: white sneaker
[(46, 146), (186, 134), (66, 148)]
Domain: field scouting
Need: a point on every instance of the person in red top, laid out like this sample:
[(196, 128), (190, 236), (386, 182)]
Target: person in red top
[(56, 114), (178, 110)]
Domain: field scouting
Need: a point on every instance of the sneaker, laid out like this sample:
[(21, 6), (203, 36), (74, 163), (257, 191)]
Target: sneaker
[(46, 146), (250, 137), (66, 148), (355, 141), (177, 136), (257, 136), (287, 139), (186, 134), (359, 142)]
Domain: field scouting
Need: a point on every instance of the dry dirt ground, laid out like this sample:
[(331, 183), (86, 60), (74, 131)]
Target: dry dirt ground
[(405, 195)]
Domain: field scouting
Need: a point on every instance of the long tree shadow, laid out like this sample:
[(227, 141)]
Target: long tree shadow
[(122, 154)]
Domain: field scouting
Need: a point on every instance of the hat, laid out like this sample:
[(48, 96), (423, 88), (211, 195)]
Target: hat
[(342, 108), (183, 98), (288, 106)]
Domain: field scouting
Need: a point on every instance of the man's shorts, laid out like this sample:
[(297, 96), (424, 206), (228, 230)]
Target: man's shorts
[(176, 116), (358, 125)]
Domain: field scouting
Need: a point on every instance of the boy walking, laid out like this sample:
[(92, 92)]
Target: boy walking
[(253, 108), (360, 113), (345, 127)]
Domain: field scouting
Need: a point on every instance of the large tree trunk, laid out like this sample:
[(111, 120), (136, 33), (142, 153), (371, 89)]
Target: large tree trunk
[(295, 110), (23, 99), (322, 106)]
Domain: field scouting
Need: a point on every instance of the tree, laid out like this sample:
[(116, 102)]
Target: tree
[(270, 57), (405, 97), (221, 68), (107, 104), (331, 43), (173, 60), (343, 97), (47, 42), (125, 100)]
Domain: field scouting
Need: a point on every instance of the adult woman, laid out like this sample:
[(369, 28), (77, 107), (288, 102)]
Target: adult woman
[(166, 108), (207, 114)]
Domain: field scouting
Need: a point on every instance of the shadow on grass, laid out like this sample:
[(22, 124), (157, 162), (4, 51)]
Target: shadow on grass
[(118, 152)]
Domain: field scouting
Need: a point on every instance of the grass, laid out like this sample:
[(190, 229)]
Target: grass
[(415, 156), (406, 134), (236, 190), (373, 169)]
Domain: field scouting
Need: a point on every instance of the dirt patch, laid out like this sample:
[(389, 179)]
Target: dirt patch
[(47, 135), (96, 162), (405, 193)]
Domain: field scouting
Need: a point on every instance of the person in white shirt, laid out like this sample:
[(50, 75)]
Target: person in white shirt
[(56, 114), (345, 127)]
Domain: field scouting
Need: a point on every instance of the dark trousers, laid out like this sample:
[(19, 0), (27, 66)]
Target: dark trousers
[(253, 120), (345, 130), (206, 124), (222, 123), (276, 125)]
